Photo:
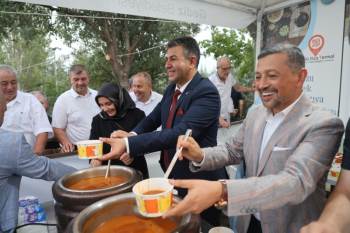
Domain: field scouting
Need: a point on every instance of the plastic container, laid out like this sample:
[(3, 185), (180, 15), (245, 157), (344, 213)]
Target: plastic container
[(90, 149), (154, 196)]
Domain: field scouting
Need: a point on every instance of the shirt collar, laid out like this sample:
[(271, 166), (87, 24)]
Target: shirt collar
[(285, 111), (18, 99), (183, 87), (76, 95)]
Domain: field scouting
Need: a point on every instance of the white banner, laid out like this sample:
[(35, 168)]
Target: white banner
[(317, 28)]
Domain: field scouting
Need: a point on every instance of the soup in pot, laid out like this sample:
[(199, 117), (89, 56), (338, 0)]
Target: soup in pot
[(98, 182), (135, 224)]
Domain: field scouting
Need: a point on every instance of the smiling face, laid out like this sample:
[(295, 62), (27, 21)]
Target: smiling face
[(278, 85), (142, 88), (180, 68), (107, 106), (8, 82)]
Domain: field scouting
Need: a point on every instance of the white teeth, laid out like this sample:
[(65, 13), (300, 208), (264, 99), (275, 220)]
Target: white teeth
[(267, 93)]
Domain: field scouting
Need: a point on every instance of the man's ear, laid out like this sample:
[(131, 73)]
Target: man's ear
[(302, 74)]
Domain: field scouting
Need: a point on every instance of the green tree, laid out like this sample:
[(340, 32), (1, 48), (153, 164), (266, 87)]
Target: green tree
[(238, 46), (117, 47)]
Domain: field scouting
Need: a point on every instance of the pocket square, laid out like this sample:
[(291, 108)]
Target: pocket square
[(277, 148), (180, 112)]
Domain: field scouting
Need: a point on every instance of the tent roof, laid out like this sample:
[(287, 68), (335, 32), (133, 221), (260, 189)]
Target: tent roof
[(228, 13)]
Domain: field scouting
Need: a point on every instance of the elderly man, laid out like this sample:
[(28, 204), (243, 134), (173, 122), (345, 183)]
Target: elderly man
[(43, 100), (17, 160), (24, 112), (287, 144), (74, 109), (142, 94), (224, 82)]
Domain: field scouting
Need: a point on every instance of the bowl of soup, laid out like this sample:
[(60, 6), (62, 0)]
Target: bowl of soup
[(153, 196), (76, 191), (120, 214), (90, 149)]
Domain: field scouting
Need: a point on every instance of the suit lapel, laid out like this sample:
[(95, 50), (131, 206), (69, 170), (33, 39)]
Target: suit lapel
[(257, 135), (288, 124), (194, 82)]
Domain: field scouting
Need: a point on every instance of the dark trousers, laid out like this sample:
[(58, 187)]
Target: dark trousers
[(254, 225)]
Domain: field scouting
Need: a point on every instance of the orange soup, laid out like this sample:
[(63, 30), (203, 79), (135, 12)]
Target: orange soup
[(152, 192), (98, 182), (135, 224)]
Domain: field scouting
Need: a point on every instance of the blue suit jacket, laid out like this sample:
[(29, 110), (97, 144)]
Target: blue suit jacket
[(198, 108)]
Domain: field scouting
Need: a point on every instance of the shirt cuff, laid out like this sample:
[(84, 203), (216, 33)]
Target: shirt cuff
[(127, 145), (134, 133), (200, 163)]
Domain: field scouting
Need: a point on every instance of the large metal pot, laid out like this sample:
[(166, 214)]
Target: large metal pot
[(123, 204), (70, 202)]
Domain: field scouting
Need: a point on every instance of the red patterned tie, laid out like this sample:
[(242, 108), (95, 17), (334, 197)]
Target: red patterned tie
[(169, 123)]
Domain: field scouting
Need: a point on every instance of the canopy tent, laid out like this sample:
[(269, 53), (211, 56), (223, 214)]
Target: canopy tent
[(228, 13)]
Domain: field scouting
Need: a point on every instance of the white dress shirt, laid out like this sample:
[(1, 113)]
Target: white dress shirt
[(224, 89), (272, 123), (74, 113), (26, 115), (150, 104)]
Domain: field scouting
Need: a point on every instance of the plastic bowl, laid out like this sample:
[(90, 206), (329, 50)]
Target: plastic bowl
[(154, 196), (90, 149)]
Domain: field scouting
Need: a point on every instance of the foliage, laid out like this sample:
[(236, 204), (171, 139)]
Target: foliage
[(239, 47), (124, 42)]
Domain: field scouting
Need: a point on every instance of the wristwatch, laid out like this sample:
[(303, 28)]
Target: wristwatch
[(222, 203)]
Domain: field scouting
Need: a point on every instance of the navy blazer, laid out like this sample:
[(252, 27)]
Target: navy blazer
[(198, 108)]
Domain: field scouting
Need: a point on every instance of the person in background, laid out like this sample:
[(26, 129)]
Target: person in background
[(17, 160), (74, 109), (43, 100), (189, 102), (224, 81), (288, 144), (24, 112), (142, 94), (335, 216), (118, 113)]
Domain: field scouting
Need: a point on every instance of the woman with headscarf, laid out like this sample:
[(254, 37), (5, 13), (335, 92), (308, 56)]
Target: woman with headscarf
[(118, 113)]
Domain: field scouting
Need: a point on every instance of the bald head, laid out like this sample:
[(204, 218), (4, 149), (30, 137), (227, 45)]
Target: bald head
[(223, 67), (142, 86)]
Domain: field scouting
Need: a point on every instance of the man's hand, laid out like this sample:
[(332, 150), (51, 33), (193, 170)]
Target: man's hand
[(126, 159), (201, 195), (223, 123), (118, 147), (67, 147), (319, 227), (190, 150), (121, 134), (95, 163)]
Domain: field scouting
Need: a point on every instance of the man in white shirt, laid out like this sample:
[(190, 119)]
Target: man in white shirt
[(24, 112), (142, 94), (224, 81), (74, 109)]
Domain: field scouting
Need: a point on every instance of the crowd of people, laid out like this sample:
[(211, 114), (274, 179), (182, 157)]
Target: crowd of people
[(286, 144)]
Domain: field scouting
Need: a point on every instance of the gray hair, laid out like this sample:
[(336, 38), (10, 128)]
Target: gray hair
[(220, 59), (296, 59), (35, 93), (145, 75), (9, 69)]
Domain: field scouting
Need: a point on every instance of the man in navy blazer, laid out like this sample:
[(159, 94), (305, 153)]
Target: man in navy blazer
[(197, 108)]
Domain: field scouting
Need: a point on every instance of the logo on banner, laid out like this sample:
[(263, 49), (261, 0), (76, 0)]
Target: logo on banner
[(316, 43)]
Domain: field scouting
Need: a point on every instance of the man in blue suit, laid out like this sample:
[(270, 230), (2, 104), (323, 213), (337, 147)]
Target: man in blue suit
[(196, 106)]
